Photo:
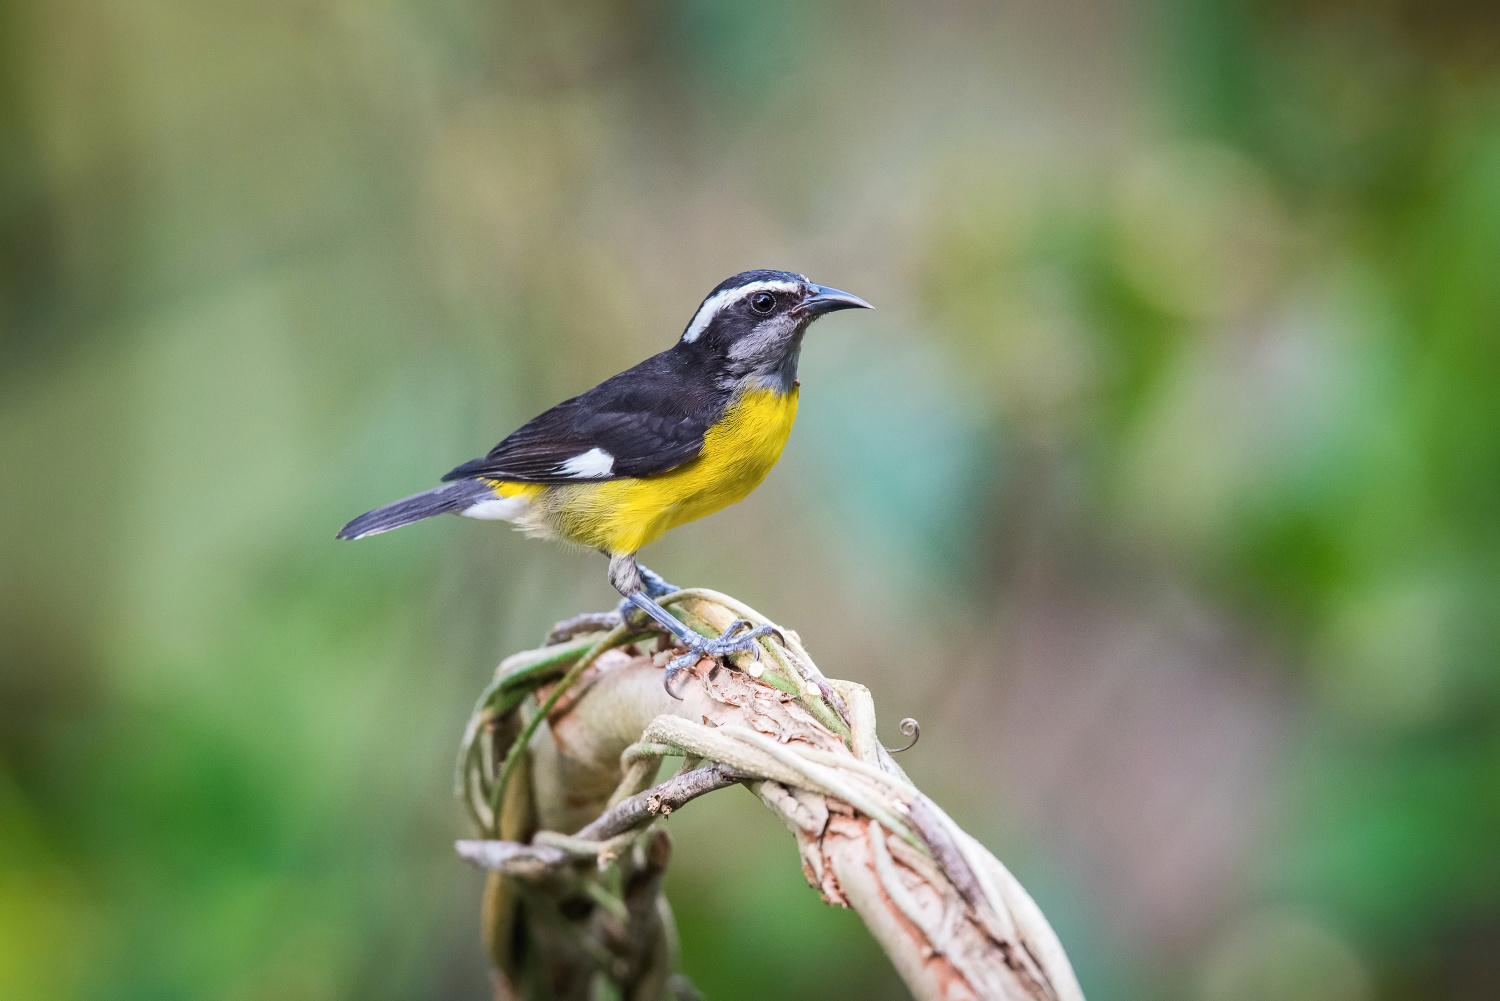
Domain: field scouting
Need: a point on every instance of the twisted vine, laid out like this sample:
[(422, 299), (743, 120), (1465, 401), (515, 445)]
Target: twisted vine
[(569, 915)]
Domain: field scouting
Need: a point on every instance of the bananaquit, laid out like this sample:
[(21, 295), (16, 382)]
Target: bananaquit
[(679, 436)]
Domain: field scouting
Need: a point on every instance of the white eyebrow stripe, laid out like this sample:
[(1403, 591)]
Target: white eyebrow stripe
[(714, 303), (594, 463)]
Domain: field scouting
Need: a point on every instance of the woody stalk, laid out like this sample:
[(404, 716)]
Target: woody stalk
[(559, 768)]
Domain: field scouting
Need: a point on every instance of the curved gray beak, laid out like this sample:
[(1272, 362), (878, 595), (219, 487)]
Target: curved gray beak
[(826, 300)]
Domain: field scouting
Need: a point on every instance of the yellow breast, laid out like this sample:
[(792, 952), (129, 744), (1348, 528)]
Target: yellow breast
[(621, 516)]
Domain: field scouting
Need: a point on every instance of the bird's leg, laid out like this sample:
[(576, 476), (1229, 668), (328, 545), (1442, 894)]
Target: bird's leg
[(627, 577), (655, 584)]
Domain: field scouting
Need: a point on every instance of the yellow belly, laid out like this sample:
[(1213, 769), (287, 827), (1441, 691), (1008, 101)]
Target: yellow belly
[(621, 516)]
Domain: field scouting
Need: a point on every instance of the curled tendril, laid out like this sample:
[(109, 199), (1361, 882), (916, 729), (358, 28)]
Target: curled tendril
[(909, 728)]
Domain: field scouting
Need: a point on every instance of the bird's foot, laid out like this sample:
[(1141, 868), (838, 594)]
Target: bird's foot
[(739, 637)]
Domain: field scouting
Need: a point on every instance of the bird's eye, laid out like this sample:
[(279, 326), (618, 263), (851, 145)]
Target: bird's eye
[(762, 302)]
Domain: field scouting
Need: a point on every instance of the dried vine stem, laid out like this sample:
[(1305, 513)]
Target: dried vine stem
[(570, 737)]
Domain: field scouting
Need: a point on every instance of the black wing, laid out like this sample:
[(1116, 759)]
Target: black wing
[(648, 419)]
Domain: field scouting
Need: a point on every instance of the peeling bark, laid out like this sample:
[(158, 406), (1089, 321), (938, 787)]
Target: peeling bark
[(563, 911)]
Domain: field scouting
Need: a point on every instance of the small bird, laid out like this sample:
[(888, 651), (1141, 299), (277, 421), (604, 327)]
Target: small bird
[(681, 435)]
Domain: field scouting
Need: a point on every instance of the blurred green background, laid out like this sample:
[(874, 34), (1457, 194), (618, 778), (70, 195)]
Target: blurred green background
[(1163, 487)]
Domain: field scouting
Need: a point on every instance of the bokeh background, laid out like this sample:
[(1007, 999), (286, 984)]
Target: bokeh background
[(1163, 487)]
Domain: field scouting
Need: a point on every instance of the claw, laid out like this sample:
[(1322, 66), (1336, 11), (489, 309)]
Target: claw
[(676, 672), (734, 627), (739, 637)]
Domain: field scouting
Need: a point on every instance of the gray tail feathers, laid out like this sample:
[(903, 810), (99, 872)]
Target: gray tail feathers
[(446, 499)]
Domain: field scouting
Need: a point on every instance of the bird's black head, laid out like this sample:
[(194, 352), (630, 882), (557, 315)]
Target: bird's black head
[(752, 324)]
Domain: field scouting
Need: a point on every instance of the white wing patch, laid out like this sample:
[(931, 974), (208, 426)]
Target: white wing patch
[(714, 303), (594, 463)]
